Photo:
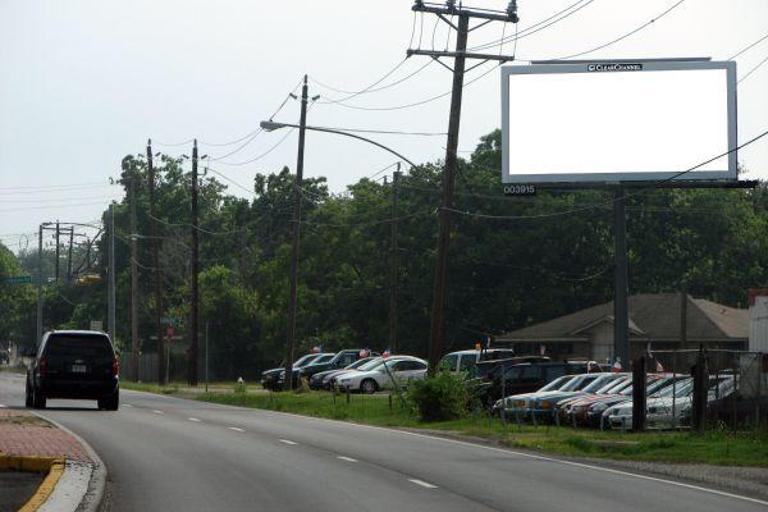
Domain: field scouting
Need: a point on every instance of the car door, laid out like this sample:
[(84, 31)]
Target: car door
[(411, 370)]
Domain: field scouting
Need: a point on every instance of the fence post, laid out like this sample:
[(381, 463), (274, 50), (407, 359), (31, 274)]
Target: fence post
[(700, 381), (638, 394)]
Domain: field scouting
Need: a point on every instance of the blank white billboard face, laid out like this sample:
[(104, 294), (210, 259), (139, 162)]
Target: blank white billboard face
[(582, 123)]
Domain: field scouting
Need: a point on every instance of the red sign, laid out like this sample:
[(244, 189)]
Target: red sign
[(169, 332)]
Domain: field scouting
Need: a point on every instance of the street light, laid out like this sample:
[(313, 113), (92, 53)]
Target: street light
[(273, 125)]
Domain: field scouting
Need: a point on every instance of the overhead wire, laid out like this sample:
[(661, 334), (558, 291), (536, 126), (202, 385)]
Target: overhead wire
[(752, 71), (594, 206), (748, 47)]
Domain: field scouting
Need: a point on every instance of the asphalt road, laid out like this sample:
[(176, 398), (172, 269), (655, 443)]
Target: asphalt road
[(168, 454)]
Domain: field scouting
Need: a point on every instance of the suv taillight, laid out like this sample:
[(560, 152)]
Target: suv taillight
[(43, 366), (115, 367)]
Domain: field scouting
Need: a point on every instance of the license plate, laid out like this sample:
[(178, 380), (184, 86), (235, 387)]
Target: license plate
[(78, 368)]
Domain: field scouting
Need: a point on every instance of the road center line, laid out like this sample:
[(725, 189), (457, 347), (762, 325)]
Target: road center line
[(422, 483), (348, 459), (157, 412), (288, 441), (196, 420), (236, 429)]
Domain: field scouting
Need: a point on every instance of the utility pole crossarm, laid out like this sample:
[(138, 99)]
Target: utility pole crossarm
[(452, 10), (467, 55)]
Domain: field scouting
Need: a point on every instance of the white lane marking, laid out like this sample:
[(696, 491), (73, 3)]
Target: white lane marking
[(236, 429), (196, 420), (528, 455), (157, 412), (288, 441), (3, 406), (127, 405), (348, 459), (422, 483)]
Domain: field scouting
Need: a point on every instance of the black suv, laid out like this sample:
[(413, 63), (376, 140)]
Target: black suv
[(74, 364)]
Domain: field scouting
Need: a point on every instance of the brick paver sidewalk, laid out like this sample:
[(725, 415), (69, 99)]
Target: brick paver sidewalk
[(23, 433)]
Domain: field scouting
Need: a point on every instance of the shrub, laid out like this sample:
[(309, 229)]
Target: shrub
[(440, 398)]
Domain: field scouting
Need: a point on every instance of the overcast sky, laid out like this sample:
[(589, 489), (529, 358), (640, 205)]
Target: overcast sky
[(83, 83)]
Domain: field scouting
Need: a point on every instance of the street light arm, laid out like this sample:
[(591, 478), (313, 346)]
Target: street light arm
[(272, 125)]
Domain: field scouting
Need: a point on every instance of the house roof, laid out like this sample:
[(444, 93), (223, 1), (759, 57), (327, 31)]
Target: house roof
[(651, 316)]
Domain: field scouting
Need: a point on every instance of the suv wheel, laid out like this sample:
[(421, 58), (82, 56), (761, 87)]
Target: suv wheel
[(111, 403), (368, 386), (38, 400), (28, 396)]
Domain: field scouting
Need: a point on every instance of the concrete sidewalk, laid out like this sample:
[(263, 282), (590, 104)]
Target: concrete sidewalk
[(27, 436)]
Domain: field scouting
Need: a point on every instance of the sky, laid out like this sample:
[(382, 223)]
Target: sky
[(86, 82)]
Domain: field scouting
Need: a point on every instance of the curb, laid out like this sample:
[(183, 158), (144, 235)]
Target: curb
[(94, 497), (53, 466)]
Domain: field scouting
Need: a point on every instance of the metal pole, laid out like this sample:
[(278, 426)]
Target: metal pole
[(394, 275), (683, 317), (437, 330), (291, 337), (111, 322), (621, 285), (58, 247), (206, 356), (161, 374), (193, 349), (39, 335)]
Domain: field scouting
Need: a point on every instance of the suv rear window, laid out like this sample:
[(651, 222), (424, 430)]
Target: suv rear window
[(86, 347)]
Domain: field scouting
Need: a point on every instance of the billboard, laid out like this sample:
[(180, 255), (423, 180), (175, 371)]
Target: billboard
[(624, 121)]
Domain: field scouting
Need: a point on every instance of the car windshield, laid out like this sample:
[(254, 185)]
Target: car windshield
[(597, 385), (557, 383), (305, 359), (671, 387), (579, 383), (359, 363), (371, 365), (322, 358)]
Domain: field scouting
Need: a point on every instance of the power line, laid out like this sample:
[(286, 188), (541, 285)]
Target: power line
[(607, 203), (625, 36), (748, 47), (54, 188), (751, 71), (260, 156)]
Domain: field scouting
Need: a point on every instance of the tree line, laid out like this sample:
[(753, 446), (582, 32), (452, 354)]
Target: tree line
[(514, 261)]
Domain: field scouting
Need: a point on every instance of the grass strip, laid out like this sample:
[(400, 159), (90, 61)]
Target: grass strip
[(749, 448)]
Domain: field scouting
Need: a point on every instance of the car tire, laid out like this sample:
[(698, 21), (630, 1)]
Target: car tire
[(368, 386), (111, 403), (28, 396), (38, 399)]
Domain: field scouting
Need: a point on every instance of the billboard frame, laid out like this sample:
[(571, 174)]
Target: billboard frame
[(630, 179)]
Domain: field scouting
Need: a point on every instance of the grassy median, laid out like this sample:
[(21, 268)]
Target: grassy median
[(715, 447)]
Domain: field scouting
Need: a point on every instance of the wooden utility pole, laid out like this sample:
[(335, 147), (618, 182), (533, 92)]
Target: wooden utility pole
[(134, 270), (69, 254), (194, 343), (58, 246), (437, 330), (111, 286), (293, 299), (161, 377), (683, 318), (394, 272), (39, 333)]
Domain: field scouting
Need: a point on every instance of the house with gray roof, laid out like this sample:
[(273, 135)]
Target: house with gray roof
[(653, 318)]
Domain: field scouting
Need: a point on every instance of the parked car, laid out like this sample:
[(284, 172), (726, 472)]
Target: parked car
[(75, 365), (466, 360), (524, 378), (401, 369), (673, 407), (297, 372), (269, 378), (543, 407), (342, 359), (517, 405), (322, 380)]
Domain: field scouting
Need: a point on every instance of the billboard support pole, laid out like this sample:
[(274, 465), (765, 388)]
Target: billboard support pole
[(621, 279)]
